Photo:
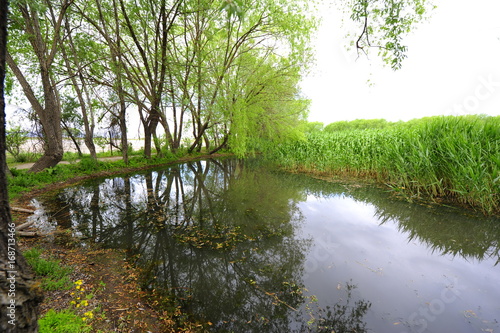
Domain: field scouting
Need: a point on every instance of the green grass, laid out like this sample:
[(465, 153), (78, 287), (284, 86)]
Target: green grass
[(53, 275), (452, 157), (64, 321), (23, 181)]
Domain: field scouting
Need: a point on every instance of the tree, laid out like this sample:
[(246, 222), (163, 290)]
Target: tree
[(16, 137), (19, 297), (77, 58), (148, 27), (313, 127), (221, 80), (265, 103), (38, 28)]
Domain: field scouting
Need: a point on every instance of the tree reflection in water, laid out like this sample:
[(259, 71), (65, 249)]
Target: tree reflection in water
[(215, 236), (342, 317), (219, 236)]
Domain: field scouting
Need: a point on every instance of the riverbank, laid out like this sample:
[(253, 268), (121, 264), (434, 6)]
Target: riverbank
[(117, 302), (455, 159)]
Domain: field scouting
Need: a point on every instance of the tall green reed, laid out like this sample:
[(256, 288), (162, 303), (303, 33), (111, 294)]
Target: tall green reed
[(454, 157)]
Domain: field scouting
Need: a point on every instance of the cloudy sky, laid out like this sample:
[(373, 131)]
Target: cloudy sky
[(453, 67)]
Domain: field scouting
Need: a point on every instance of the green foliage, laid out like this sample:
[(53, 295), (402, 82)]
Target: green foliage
[(14, 140), (54, 275), (384, 24), (312, 127), (358, 124), (87, 163), (65, 321), (233, 7), (454, 157)]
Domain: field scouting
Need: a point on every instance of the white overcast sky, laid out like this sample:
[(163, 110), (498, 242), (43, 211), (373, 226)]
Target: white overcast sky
[(453, 67)]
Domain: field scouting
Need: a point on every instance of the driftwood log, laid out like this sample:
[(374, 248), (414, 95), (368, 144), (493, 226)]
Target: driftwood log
[(22, 210), (25, 225), (28, 233)]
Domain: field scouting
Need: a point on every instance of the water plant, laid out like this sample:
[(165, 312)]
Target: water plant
[(457, 157)]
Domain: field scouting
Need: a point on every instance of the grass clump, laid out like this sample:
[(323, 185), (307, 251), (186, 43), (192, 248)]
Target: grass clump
[(53, 275), (64, 321), (75, 318)]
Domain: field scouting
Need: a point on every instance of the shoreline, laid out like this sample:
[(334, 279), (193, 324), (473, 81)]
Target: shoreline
[(122, 305)]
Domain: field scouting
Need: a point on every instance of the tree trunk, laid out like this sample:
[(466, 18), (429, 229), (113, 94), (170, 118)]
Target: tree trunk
[(19, 296), (72, 137), (80, 92), (221, 146), (152, 120), (117, 55)]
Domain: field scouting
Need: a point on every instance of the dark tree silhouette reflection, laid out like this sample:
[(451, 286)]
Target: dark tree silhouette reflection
[(216, 237)]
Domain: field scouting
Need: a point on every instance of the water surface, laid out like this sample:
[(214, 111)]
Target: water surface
[(249, 249)]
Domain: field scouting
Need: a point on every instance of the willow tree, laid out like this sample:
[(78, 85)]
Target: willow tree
[(264, 103), (210, 56), (148, 28), (81, 52)]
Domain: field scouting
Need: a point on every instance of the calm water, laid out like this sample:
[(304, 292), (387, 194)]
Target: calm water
[(249, 249)]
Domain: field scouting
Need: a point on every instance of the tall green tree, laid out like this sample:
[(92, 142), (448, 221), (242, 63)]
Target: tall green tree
[(80, 52), (37, 27), (148, 27), (103, 24), (263, 102), (19, 297), (217, 52)]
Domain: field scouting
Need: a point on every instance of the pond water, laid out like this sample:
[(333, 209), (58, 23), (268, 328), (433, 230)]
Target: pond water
[(249, 249)]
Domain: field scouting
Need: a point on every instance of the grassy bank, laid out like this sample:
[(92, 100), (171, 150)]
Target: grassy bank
[(453, 157), (23, 181)]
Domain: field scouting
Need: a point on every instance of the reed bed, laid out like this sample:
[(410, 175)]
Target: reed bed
[(454, 157)]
